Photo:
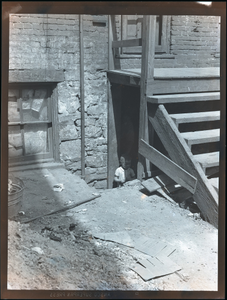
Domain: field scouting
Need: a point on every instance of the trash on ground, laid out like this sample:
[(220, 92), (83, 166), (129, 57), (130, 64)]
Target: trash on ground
[(21, 213), (95, 194), (155, 267), (58, 187), (55, 238), (38, 250), (72, 226), (69, 214)]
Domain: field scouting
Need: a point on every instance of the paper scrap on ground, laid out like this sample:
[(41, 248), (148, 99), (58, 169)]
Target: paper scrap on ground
[(58, 187)]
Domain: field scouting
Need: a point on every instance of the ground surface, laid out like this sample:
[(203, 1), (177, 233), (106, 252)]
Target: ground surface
[(79, 261)]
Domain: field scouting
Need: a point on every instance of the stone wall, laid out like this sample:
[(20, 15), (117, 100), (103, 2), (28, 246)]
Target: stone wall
[(45, 48)]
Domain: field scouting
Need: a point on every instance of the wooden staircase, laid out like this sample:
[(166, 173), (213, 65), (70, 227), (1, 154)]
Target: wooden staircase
[(192, 158)]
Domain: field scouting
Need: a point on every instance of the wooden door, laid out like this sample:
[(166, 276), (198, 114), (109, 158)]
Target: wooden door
[(29, 123)]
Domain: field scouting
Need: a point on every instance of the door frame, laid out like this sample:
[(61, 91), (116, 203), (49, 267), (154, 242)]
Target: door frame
[(52, 131)]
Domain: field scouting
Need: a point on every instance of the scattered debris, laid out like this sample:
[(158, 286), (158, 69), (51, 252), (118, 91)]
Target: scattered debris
[(72, 226), (54, 237), (58, 187), (21, 213), (38, 250), (61, 209), (155, 267)]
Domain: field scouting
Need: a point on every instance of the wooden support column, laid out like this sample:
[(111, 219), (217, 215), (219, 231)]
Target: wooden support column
[(205, 195), (82, 99), (147, 76), (112, 158), (113, 37)]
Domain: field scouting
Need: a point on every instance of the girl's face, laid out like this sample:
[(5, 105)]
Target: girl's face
[(122, 162)]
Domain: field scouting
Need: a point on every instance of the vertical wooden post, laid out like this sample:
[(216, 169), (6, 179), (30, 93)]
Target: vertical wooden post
[(82, 99), (147, 75), (112, 158)]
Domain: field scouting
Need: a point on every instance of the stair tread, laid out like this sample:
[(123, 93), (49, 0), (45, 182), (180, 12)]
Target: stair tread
[(196, 117), (215, 182), (208, 159), (200, 137), (189, 97)]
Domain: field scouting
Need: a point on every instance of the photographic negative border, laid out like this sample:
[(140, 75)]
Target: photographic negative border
[(110, 7)]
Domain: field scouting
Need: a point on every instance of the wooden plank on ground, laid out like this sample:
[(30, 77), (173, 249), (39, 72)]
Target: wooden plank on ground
[(170, 168), (205, 195), (153, 247), (121, 237), (165, 195), (155, 267), (127, 43), (189, 97), (153, 184)]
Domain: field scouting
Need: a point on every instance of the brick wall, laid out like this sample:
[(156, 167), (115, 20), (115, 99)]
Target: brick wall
[(194, 41), (45, 48)]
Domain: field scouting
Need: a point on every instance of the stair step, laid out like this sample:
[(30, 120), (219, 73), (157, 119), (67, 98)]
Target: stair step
[(208, 160), (196, 117), (190, 97), (215, 183), (201, 137)]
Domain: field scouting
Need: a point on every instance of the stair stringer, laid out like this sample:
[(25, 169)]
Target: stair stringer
[(205, 195)]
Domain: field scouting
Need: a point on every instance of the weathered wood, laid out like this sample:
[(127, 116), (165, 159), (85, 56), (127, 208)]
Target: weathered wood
[(112, 145), (155, 267), (55, 129), (196, 117), (50, 124), (124, 79), (182, 86), (200, 137), (208, 160), (82, 98), (153, 184), (205, 196), (170, 168), (190, 97), (26, 123), (115, 63), (147, 73), (127, 43), (179, 73)]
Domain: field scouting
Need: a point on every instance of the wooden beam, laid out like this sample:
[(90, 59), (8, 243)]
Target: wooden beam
[(115, 63), (170, 168), (123, 79), (112, 154), (127, 43), (189, 97), (205, 195), (183, 86), (82, 98), (55, 122), (147, 74)]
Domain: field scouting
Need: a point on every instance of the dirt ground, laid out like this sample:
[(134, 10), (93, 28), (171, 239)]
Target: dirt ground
[(79, 261)]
